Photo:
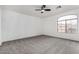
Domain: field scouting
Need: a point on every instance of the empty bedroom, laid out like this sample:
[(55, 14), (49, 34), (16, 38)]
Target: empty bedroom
[(39, 29)]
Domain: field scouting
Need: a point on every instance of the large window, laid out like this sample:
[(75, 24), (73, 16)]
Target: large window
[(67, 24)]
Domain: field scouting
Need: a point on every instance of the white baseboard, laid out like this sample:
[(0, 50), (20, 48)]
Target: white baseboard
[(21, 38), (74, 39)]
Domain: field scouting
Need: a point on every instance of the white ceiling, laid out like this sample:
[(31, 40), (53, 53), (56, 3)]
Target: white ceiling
[(30, 9)]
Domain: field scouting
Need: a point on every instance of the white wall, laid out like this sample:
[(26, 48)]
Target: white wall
[(0, 25), (16, 25), (50, 26)]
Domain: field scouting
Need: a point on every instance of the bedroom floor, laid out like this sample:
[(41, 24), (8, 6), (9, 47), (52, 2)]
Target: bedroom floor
[(40, 45)]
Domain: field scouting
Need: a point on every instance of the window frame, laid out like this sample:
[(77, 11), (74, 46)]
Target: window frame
[(66, 23)]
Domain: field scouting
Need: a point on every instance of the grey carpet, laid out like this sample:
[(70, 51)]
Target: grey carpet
[(40, 45)]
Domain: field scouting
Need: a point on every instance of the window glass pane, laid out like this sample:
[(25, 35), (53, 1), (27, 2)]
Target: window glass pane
[(74, 25), (74, 22), (61, 26), (59, 30), (63, 30), (67, 24), (71, 26)]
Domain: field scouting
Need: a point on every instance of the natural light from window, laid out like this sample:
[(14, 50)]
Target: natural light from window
[(67, 24)]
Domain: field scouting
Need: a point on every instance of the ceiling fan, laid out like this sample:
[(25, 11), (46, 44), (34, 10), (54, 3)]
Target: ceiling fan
[(43, 8)]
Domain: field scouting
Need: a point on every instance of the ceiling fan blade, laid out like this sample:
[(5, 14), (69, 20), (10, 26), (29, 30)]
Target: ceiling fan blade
[(38, 9), (47, 9)]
